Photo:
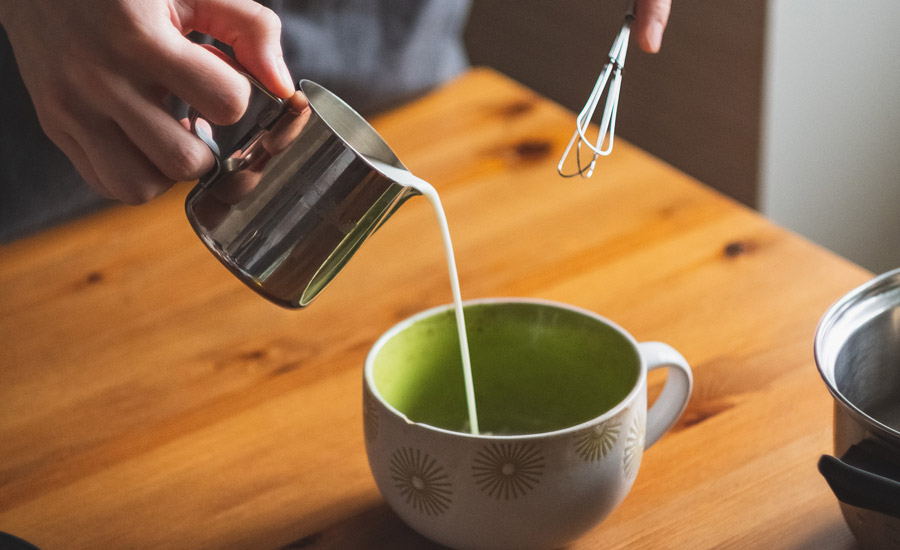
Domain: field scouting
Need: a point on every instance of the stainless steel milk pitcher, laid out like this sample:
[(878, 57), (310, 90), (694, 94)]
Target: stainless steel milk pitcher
[(293, 194)]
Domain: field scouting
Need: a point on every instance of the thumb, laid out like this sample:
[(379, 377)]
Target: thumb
[(253, 32), (651, 17)]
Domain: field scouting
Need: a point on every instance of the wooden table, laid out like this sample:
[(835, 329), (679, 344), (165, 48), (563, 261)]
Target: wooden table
[(149, 400)]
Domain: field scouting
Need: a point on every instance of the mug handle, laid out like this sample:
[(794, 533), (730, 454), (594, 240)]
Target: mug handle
[(675, 394)]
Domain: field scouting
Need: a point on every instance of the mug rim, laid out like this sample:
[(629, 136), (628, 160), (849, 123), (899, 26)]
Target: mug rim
[(624, 403)]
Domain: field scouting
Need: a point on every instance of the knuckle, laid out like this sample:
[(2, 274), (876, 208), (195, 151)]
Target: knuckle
[(266, 19), (132, 197), (50, 125), (129, 198), (186, 162), (136, 195), (97, 187), (232, 105)]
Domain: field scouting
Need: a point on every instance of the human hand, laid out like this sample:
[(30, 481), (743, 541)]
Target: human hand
[(650, 20), (232, 187), (98, 72)]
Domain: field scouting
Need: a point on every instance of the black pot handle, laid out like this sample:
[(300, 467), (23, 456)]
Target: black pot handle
[(866, 477)]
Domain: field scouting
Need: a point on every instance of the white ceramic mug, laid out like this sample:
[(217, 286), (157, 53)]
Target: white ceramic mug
[(562, 404)]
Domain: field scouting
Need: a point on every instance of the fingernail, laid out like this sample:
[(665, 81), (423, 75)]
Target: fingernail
[(654, 35)]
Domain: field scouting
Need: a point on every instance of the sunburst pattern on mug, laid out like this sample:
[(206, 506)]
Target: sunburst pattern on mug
[(507, 470), (421, 481), (634, 445), (370, 413), (593, 443)]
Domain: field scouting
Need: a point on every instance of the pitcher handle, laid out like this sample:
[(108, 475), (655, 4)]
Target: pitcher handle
[(675, 394), (229, 144)]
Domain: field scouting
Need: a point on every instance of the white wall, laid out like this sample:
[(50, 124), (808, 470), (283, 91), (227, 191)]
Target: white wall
[(830, 162)]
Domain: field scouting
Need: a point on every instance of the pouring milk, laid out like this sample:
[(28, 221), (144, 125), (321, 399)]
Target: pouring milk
[(407, 179)]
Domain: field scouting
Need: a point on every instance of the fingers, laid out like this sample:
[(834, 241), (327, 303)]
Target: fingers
[(97, 77), (289, 126), (205, 81), (178, 154), (651, 17), (252, 30), (297, 103), (125, 172), (106, 156), (123, 142), (82, 164)]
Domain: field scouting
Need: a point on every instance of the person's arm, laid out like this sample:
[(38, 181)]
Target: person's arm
[(98, 72), (650, 20)]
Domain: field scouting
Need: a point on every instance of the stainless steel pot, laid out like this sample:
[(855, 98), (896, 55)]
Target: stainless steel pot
[(857, 348), (294, 193)]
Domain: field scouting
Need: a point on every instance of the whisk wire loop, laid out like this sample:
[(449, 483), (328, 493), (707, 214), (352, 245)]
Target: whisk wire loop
[(609, 83)]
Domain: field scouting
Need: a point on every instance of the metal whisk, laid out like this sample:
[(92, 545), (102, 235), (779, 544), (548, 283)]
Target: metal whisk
[(610, 80)]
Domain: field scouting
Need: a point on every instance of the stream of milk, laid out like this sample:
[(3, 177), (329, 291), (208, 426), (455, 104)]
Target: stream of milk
[(407, 179)]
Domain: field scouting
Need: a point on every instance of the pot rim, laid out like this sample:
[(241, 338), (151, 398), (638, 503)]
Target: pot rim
[(840, 321)]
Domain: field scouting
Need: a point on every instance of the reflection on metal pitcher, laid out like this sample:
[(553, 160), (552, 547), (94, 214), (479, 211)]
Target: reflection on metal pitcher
[(293, 194)]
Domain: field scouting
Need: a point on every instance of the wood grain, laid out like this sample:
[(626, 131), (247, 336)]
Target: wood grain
[(149, 400)]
